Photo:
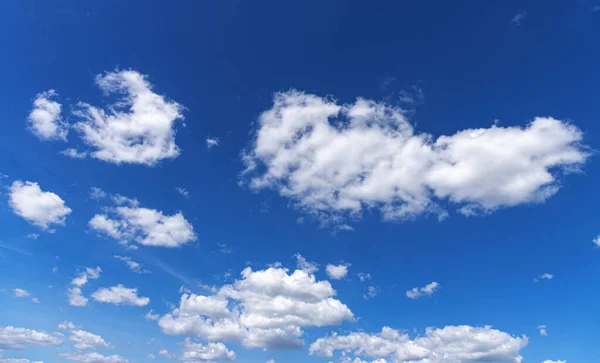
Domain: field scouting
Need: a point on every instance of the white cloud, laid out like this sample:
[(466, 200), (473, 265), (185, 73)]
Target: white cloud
[(54, 269), (452, 344), (372, 291), (554, 361), (212, 142), (86, 340), (305, 265), (44, 120), (151, 356), (518, 18), (37, 207), (133, 266), (543, 330), (97, 193), (66, 325), (145, 226), (597, 241), (150, 316), (120, 295), (35, 300), (33, 236), (118, 199), (20, 338), (334, 161), (165, 353), (20, 292), (183, 191), (93, 358), (195, 352), (337, 272), (74, 153), (74, 293), (264, 309), (271, 361), (363, 276), (138, 129), (427, 290), (18, 360), (544, 276)]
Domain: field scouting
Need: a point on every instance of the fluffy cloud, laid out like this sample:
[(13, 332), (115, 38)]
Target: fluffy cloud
[(74, 153), (20, 292), (305, 265), (86, 340), (193, 352), (263, 309), (44, 119), (335, 160), (120, 295), (137, 129), (93, 358), (544, 276), (145, 226), (74, 293), (212, 142), (133, 266), (452, 344), (337, 272), (150, 316), (165, 353), (97, 193), (66, 325), (426, 290), (37, 207), (20, 338)]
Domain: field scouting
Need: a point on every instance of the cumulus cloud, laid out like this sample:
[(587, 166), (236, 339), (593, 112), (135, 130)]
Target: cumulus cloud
[(334, 161), (20, 292), (133, 266), (74, 153), (211, 142), (21, 338), (137, 129), (93, 358), (45, 120), (337, 272), (150, 316), (263, 309), (74, 293), (194, 352), (66, 325), (427, 290), (120, 295), (451, 344), (36, 206), (145, 226), (85, 340), (165, 353)]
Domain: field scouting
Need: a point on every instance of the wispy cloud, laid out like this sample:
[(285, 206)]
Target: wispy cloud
[(15, 249), (518, 18)]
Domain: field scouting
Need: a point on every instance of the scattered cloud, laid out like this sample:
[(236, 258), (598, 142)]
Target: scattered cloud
[(543, 330), (35, 300), (212, 142), (20, 292), (33, 236), (594, 9), (74, 153), (148, 227), (363, 276), (17, 360), (334, 161), (133, 266), (120, 295), (118, 199), (183, 191), (264, 309), (518, 18), (97, 193), (224, 249), (54, 269), (150, 316), (137, 129), (74, 293), (337, 272), (165, 353), (45, 118), (427, 290), (66, 325), (544, 276), (37, 207), (597, 241), (21, 338), (92, 358), (85, 340), (554, 361), (449, 344), (372, 291), (151, 356), (305, 265), (210, 352)]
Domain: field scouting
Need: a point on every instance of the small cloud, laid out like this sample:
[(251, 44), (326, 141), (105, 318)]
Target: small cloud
[(73, 153), (544, 276), (150, 316), (212, 142), (151, 356), (20, 292), (518, 18), (97, 193), (363, 276), (66, 325), (543, 331), (35, 300), (33, 236), (427, 290), (305, 265), (595, 8), (224, 249), (54, 269), (337, 272), (372, 291), (182, 191), (597, 241)]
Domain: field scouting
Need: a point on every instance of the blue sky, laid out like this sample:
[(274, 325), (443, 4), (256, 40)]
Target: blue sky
[(281, 181)]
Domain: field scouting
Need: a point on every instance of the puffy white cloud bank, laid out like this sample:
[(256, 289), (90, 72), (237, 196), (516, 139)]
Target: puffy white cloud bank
[(451, 344), (336, 160), (36, 206), (137, 129), (263, 309)]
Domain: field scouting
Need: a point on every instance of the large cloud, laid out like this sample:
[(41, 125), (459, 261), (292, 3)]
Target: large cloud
[(452, 344), (21, 338), (36, 206), (44, 119), (145, 226), (137, 129), (336, 160), (264, 309)]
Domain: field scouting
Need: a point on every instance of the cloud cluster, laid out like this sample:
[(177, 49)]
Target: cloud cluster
[(45, 118), (211, 352), (74, 293), (120, 295), (148, 227), (36, 206), (263, 309), (451, 344), (334, 161), (137, 129), (427, 290), (21, 338)]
